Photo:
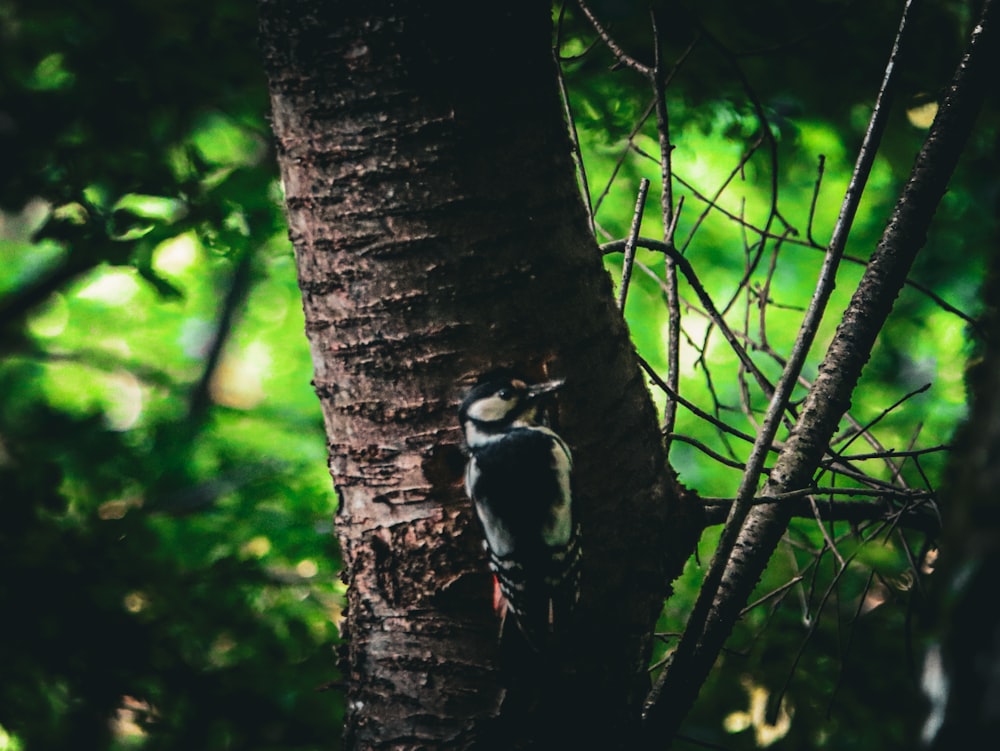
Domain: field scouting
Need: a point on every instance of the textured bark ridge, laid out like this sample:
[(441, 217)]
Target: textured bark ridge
[(439, 233)]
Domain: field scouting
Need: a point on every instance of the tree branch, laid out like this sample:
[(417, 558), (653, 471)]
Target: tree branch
[(630, 243), (669, 224), (917, 515), (619, 53), (581, 167), (239, 288), (733, 575), (685, 267)]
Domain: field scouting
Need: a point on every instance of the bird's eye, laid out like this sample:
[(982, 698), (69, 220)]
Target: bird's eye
[(505, 394)]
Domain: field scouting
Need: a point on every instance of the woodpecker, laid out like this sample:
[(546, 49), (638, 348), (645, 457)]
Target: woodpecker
[(518, 478)]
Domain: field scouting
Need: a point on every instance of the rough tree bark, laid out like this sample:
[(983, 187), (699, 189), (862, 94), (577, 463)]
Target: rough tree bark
[(439, 233)]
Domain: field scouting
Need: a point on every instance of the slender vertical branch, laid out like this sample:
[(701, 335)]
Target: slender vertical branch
[(239, 288), (662, 128), (581, 167), (820, 169), (630, 243), (667, 211)]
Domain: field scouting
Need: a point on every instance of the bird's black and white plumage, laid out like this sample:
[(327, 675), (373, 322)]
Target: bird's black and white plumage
[(518, 478)]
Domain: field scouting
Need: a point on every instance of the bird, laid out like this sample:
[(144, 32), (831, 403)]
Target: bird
[(518, 477)]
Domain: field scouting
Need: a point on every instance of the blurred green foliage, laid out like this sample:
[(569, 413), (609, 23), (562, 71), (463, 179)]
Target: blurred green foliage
[(166, 533), (170, 573)]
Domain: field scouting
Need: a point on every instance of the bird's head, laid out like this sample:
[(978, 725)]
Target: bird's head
[(501, 398)]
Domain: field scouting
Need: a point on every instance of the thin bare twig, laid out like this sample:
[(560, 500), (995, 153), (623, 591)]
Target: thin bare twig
[(916, 514), (703, 297), (814, 623), (693, 408), (630, 243), (669, 225), (823, 530), (865, 430), (620, 162), (895, 453), (620, 54), (239, 288), (772, 594), (568, 109), (820, 169), (732, 463), (888, 493), (766, 132)]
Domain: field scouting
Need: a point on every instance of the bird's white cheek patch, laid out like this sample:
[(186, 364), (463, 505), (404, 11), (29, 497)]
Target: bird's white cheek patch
[(490, 409)]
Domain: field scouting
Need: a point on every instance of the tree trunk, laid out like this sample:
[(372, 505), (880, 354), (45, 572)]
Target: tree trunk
[(439, 233)]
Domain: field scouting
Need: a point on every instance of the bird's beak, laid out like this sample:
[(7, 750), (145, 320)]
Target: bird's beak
[(539, 390)]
